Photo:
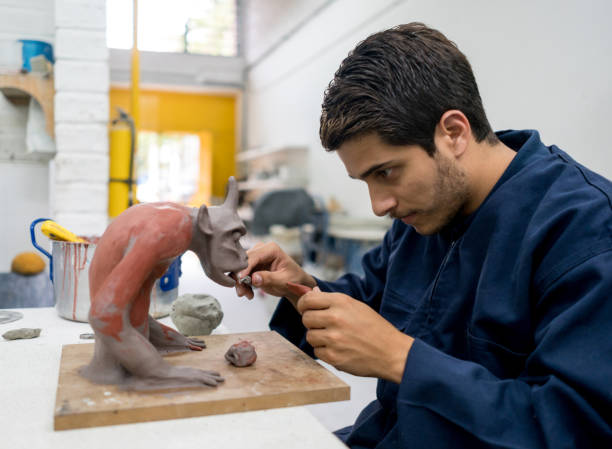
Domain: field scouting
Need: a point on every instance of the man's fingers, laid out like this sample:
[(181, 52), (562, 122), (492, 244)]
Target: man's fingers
[(298, 289), (259, 256), (314, 300), (257, 245), (316, 338), (314, 319)]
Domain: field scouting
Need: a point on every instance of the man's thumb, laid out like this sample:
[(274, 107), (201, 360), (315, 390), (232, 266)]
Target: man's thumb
[(257, 279)]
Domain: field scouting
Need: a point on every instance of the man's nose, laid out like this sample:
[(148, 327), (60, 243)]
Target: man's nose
[(382, 202)]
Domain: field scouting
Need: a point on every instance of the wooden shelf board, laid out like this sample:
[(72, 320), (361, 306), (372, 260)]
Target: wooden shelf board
[(17, 87)]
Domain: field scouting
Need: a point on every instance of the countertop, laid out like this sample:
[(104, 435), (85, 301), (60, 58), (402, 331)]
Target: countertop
[(28, 383)]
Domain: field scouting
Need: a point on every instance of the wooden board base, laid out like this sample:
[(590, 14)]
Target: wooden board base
[(282, 376)]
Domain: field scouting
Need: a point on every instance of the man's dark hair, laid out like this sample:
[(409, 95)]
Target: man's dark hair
[(398, 83)]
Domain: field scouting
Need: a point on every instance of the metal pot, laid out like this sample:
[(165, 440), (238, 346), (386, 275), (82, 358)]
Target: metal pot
[(69, 273)]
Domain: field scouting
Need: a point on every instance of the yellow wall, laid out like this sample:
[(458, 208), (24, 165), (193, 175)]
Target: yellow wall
[(213, 116)]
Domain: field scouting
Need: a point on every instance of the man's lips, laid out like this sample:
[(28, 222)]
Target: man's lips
[(409, 219)]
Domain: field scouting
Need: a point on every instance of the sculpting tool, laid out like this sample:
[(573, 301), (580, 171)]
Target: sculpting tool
[(246, 281), (298, 289)]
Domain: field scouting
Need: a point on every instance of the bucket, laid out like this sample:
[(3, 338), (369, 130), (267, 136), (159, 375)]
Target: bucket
[(69, 272), (33, 48)]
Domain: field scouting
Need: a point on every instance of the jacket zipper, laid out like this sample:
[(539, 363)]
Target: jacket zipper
[(438, 274)]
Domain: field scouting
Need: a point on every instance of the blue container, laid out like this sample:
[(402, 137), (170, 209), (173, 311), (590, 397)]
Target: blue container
[(33, 48)]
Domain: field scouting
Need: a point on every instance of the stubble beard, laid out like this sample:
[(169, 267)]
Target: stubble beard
[(451, 194)]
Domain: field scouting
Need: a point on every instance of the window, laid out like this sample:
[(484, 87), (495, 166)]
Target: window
[(178, 26), (167, 166)]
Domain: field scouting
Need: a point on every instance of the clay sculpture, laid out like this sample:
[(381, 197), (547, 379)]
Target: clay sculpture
[(134, 251)]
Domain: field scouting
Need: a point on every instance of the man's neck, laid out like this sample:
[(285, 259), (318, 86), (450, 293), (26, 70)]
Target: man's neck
[(487, 164), (196, 234)]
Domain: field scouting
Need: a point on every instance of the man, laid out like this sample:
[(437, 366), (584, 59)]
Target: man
[(134, 251), (486, 311)]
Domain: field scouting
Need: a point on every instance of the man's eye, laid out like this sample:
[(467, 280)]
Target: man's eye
[(385, 173)]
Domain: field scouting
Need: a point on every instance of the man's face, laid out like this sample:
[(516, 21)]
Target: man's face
[(406, 183)]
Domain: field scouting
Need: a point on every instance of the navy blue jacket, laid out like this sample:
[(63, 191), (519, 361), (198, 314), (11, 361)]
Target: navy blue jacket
[(511, 311)]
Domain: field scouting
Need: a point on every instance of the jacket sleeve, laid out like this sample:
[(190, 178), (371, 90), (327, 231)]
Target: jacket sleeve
[(563, 398), (288, 322)]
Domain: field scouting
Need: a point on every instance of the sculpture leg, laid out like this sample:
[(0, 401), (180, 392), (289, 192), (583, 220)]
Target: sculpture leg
[(123, 355)]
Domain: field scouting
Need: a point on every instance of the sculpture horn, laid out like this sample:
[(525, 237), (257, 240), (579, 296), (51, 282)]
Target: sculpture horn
[(231, 199)]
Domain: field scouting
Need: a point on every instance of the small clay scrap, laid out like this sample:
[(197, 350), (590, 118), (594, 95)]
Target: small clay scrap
[(25, 332), (87, 336), (194, 314), (241, 354)]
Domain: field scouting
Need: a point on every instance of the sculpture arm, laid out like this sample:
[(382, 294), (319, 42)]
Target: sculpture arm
[(168, 340)]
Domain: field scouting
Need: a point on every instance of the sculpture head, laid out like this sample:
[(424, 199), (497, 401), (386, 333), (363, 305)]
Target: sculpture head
[(217, 232)]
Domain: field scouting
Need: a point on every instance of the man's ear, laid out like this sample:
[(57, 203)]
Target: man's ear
[(204, 224), (453, 132)]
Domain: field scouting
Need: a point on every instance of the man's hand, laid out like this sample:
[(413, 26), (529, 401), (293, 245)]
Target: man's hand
[(351, 336), (270, 269)]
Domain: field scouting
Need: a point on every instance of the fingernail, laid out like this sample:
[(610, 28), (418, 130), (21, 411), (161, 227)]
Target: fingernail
[(256, 279), (316, 289)]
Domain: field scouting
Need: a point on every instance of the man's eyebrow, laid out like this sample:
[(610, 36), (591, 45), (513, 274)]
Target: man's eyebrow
[(370, 170)]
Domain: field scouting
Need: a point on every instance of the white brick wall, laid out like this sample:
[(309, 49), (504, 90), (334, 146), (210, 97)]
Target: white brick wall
[(80, 197), (24, 188), (80, 107), (80, 182), (87, 224), (82, 76), (76, 137), (81, 14), (70, 44), (22, 19), (84, 168)]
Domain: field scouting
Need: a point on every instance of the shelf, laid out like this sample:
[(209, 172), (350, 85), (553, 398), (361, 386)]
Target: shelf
[(262, 184), (259, 153), (19, 87)]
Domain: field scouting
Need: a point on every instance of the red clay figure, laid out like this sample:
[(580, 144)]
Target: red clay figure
[(135, 250)]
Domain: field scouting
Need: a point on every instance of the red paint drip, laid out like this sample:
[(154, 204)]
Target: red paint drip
[(86, 246), (66, 258), (75, 263), (79, 264)]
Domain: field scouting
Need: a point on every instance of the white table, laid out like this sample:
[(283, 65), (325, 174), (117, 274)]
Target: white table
[(28, 382)]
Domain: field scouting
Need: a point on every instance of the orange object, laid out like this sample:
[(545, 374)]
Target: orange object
[(27, 263)]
